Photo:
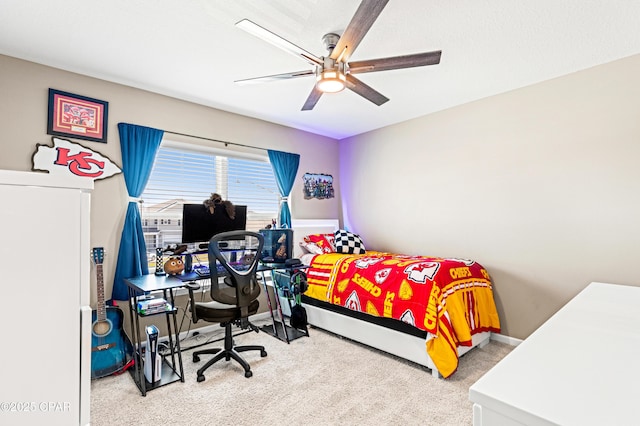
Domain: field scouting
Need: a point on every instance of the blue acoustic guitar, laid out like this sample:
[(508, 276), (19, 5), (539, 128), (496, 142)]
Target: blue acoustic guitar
[(108, 345)]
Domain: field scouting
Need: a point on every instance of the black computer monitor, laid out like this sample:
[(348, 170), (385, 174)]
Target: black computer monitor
[(199, 225)]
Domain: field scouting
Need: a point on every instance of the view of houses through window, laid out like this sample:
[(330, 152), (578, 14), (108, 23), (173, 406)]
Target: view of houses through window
[(185, 175)]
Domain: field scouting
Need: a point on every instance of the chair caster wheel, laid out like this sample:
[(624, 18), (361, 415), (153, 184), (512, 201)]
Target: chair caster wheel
[(263, 353), (196, 358), (248, 374), (200, 379)]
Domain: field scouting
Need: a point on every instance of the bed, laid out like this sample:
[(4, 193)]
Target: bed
[(428, 310)]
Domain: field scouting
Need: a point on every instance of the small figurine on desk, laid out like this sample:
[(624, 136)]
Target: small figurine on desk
[(271, 225), (174, 266)]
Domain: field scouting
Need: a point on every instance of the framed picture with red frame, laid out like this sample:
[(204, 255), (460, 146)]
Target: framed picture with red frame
[(77, 116)]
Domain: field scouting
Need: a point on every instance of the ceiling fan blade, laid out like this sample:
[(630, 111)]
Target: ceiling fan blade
[(312, 100), (275, 77), (362, 20), (266, 35), (396, 62), (365, 91)]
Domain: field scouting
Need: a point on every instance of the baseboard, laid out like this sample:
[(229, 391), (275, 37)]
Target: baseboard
[(505, 339)]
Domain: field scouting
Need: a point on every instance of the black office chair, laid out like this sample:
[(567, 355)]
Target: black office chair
[(234, 298)]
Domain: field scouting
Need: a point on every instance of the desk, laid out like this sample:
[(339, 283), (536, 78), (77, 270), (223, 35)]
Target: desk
[(171, 369), (578, 368)]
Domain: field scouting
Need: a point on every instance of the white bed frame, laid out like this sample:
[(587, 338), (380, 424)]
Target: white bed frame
[(403, 345)]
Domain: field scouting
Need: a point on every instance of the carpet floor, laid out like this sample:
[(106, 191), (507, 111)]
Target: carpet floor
[(322, 379)]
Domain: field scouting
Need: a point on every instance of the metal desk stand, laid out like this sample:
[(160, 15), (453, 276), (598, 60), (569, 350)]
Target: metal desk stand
[(172, 370), (278, 328)]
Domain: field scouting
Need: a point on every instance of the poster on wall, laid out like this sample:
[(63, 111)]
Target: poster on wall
[(318, 185), (66, 158), (77, 116)]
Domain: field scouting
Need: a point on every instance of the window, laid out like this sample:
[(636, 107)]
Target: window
[(189, 174)]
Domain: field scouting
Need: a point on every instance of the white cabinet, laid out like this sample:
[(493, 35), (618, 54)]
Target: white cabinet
[(46, 319), (578, 368)]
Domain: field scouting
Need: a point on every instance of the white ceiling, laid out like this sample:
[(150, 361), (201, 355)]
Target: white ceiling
[(190, 49)]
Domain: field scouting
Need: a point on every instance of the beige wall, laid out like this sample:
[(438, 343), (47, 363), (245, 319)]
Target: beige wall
[(23, 118), (540, 185)]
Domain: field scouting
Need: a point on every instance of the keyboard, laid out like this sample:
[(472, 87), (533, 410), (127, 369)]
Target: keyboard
[(205, 272), (202, 271)]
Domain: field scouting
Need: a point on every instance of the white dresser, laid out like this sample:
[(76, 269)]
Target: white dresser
[(578, 368), (46, 319)]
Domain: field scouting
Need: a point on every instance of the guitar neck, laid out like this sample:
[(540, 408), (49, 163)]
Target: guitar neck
[(101, 308)]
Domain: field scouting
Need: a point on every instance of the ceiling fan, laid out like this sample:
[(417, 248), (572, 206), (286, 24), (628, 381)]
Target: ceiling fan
[(334, 72)]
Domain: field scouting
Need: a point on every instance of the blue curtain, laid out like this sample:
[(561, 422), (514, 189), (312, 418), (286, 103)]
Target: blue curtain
[(285, 166), (139, 146)]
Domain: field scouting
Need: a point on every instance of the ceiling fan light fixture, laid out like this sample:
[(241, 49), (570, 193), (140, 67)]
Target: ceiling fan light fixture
[(330, 81)]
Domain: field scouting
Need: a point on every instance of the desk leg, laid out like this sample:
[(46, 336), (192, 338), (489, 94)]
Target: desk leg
[(278, 309), (169, 333), (177, 337), (280, 314), (138, 367), (132, 337), (266, 291), (175, 327)]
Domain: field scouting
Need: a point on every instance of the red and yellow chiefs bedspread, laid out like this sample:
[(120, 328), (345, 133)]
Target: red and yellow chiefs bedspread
[(452, 299)]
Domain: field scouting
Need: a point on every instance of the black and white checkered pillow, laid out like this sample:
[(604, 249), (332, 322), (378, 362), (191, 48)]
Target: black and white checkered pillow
[(347, 242)]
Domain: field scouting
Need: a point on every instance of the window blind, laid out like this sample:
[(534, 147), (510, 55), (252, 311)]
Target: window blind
[(185, 175)]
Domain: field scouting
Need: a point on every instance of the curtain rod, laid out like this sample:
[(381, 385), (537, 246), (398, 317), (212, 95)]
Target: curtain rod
[(215, 140)]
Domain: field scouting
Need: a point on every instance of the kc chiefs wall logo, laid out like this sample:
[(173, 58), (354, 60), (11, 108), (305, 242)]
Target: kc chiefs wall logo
[(72, 159)]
